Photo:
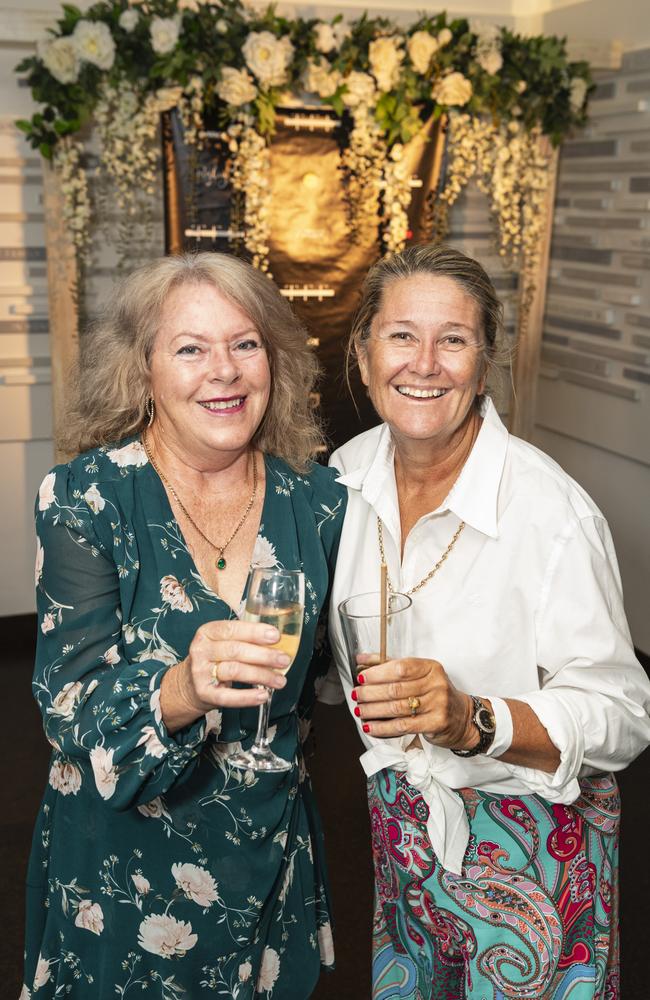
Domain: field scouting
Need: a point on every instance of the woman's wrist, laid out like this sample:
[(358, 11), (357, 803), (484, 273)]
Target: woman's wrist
[(177, 706)]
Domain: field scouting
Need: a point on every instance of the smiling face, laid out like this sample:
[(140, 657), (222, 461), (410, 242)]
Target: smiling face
[(424, 361), (210, 375)]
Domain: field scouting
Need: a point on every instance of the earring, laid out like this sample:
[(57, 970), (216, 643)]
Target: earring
[(149, 409)]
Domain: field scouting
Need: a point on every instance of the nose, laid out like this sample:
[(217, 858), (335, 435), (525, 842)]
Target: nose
[(223, 367), (424, 360)]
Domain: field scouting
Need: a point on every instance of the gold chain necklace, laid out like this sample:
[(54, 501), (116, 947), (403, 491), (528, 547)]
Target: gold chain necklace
[(418, 586), (220, 562)]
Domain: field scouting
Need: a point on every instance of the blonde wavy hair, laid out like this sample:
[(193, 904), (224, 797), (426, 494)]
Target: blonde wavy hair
[(110, 387)]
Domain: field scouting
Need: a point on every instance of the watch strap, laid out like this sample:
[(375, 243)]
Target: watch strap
[(486, 733)]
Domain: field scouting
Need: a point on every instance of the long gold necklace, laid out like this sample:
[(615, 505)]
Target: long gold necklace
[(220, 563), (431, 573)]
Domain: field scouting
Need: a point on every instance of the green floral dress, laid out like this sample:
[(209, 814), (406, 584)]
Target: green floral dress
[(154, 864)]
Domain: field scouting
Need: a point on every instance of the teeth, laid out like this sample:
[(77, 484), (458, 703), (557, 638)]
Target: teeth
[(227, 404), (421, 393)]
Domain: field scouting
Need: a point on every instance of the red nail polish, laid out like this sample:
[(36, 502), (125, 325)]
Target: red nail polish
[(353, 695), (357, 712), (361, 679), (366, 727)]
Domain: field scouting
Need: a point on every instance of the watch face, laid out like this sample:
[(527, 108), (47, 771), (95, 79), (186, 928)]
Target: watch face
[(485, 720)]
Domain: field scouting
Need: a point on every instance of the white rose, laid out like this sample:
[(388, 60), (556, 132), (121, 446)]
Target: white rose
[(326, 944), (269, 970), (453, 89), (129, 454), (421, 47), (444, 37), (490, 60), (268, 57), (65, 777), (173, 594), (38, 566), (46, 492), (48, 623), (101, 761), (59, 56), (245, 970), (197, 883), (90, 917), (360, 89), (142, 884), (386, 55), (164, 935), (128, 19), (236, 87), (325, 37), (94, 499), (66, 700), (151, 742), (578, 93), (94, 43), (111, 656), (43, 974), (164, 34), (322, 80)]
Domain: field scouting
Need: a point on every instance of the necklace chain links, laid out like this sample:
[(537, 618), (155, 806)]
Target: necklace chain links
[(418, 586), (221, 562)]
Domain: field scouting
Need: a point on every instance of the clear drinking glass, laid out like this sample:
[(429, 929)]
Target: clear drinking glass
[(361, 623), (275, 597)]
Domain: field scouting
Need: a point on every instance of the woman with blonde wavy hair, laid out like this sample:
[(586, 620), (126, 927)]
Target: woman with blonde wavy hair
[(191, 411)]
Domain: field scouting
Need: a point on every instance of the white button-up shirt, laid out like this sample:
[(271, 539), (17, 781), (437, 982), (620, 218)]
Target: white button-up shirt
[(527, 605)]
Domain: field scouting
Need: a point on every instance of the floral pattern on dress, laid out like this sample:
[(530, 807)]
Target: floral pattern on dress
[(196, 877)]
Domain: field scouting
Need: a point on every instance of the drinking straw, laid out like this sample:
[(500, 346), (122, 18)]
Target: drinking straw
[(383, 591)]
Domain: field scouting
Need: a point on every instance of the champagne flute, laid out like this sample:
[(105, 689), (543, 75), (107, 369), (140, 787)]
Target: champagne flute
[(275, 597)]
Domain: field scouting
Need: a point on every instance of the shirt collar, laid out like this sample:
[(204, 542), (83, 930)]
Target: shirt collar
[(473, 497)]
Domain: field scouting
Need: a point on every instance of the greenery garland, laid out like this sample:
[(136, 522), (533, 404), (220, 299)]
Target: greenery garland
[(120, 63)]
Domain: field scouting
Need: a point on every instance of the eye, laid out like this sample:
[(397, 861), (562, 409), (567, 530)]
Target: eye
[(400, 337), (453, 341), (188, 350), (247, 345)]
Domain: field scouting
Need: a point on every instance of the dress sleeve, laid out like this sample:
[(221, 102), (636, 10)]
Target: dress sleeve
[(96, 704), (595, 696)]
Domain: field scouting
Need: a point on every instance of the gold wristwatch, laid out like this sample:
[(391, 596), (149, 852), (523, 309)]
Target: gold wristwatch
[(486, 724)]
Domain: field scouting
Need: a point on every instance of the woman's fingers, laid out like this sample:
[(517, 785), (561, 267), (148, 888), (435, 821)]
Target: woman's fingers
[(228, 671)]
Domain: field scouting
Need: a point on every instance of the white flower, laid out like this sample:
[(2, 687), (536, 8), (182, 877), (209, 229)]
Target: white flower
[(444, 37), (151, 742), (326, 944), (25, 994), (490, 60), (321, 79), (164, 655), (154, 809), (341, 32), (578, 93), (213, 722), (269, 970), (164, 33), (48, 623), (166, 936), (245, 970), (222, 26), (66, 700), (268, 57), (38, 567), (46, 492), (129, 454), (264, 553), (130, 633), (59, 56), (173, 594), (65, 777), (90, 917), (421, 47), (385, 55), (236, 86), (94, 499), (197, 883), (142, 884), (94, 43), (325, 37), (360, 89), (111, 656), (128, 19), (43, 974), (452, 90), (101, 761), (167, 98)]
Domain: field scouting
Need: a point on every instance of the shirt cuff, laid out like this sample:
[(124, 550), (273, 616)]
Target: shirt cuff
[(503, 719), (566, 734)]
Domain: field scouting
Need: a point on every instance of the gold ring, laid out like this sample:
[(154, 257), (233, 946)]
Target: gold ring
[(414, 704), (216, 680)]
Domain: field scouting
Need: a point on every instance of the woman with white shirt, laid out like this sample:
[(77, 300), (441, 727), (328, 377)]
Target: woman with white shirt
[(490, 744)]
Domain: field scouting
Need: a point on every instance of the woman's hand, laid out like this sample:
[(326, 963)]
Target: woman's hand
[(443, 716), (222, 652)]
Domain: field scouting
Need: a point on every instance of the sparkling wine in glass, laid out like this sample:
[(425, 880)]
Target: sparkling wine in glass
[(275, 597)]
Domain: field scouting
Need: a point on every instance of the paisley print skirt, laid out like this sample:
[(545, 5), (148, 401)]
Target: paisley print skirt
[(532, 917)]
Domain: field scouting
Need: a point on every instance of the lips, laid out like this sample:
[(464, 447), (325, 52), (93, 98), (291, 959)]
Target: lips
[(233, 403), (412, 392)]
